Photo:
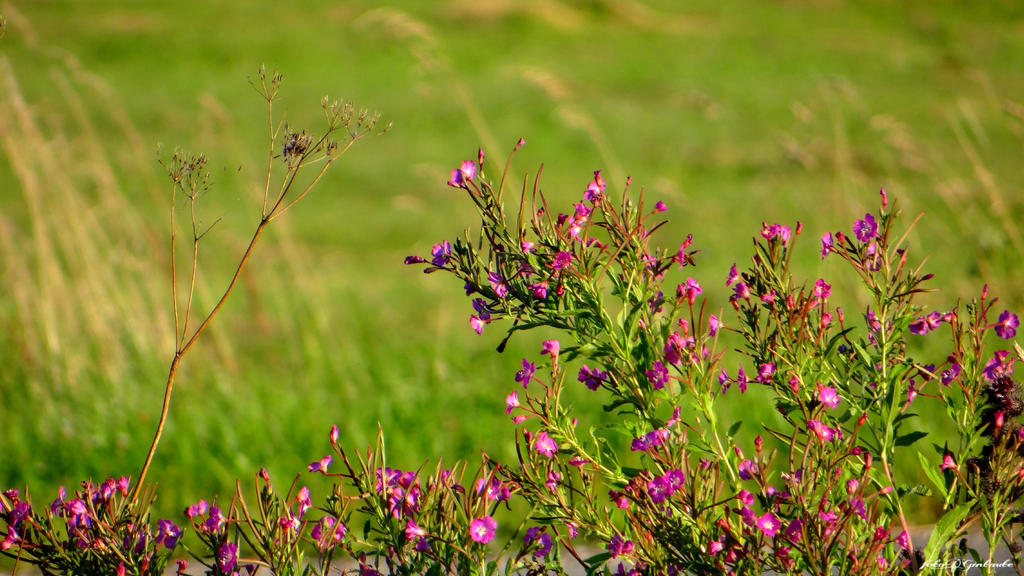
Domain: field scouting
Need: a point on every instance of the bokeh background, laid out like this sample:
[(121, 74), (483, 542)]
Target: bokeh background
[(732, 113)]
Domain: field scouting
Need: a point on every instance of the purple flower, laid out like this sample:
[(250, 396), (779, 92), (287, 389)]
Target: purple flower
[(477, 323), (198, 509), (619, 547), (768, 524), (481, 530), (539, 290), (592, 378), (1006, 327), (545, 444), (321, 464), (826, 244), (227, 557), (554, 478), (167, 533), (776, 230), (828, 396), (657, 375), (999, 365), (463, 174), (524, 375), (659, 206), (950, 374), (741, 380), (747, 469), (562, 259), (764, 373), (865, 229), (441, 252)]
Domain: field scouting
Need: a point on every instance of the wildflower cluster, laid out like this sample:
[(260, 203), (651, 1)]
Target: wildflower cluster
[(814, 491), (96, 530)]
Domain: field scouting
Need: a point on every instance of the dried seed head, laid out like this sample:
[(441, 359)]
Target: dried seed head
[(295, 145), (1004, 394)]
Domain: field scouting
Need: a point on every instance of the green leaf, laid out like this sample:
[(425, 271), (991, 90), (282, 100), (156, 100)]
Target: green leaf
[(944, 529), (910, 438), (595, 562), (933, 473), (734, 428)]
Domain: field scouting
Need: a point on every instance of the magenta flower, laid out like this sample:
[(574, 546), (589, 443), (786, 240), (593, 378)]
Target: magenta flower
[(198, 509), (482, 529), (950, 374), (321, 465), (477, 323), (828, 396), (865, 229), (741, 380), (659, 206), (619, 547), (511, 402), (592, 378), (747, 469), (764, 373), (823, 432), (497, 284), (768, 524), (525, 374), (539, 290), (545, 444), (595, 190), (733, 276), (413, 530), (657, 375), (550, 347), (822, 289), (903, 540), (462, 175), (713, 325), (1006, 327), (562, 259), (227, 557), (947, 462), (740, 292), (826, 244), (690, 290)]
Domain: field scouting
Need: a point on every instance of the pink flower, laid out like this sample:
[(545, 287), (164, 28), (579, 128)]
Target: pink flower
[(482, 530), (511, 402), (947, 462), (713, 325), (463, 174), (619, 547), (828, 396), (659, 206), (768, 524), (545, 444), (321, 465), (822, 289), (562, 259), (550, 347)]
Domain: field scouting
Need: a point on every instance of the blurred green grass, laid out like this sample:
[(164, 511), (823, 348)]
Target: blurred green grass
[(733, 113)]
